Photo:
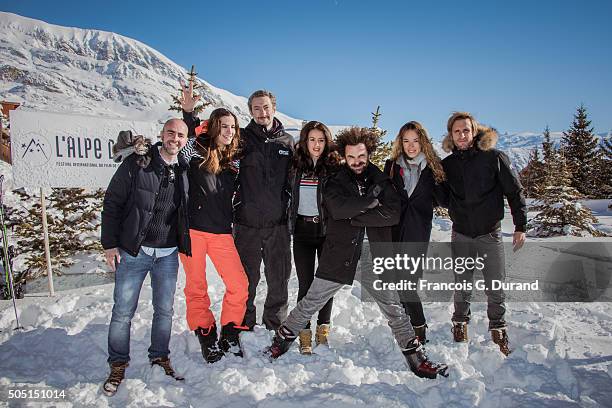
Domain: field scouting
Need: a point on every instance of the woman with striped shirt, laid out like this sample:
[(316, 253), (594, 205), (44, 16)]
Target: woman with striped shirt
[(314, 160)]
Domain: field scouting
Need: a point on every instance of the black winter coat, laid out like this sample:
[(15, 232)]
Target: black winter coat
[(210, 196), (262, 197), (477, 181), (348, 216), (130, 199), (417, 210)]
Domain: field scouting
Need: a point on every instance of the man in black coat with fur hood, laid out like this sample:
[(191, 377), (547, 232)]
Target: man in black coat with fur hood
[(478, 179), (357, 198)]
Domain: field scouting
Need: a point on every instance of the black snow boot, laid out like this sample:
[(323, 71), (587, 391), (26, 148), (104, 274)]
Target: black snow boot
[(419, 363), (282, 341), (421, 333), (229, 342), (208, 342)]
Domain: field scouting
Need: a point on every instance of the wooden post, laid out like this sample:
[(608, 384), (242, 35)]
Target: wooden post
[(46, 235)]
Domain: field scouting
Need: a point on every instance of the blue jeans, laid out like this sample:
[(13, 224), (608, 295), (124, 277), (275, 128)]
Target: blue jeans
[(129, 276)]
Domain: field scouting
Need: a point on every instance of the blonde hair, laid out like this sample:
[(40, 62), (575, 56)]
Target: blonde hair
[(433, 160), (459, 116)]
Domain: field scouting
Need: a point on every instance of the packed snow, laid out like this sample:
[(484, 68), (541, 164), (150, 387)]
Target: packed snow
[(562, 355)]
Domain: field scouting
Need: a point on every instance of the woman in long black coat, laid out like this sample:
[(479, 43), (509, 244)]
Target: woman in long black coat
[(416, 171)]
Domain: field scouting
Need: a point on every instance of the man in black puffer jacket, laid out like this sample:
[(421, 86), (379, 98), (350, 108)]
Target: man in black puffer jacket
[(478, 179), (144, 226)]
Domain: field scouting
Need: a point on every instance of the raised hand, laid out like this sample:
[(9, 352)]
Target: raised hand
[(188, 101)]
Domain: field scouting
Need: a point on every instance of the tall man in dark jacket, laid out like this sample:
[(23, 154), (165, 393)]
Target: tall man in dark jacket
[(261, 208), (144, 226), (478, 179), (359, 197)]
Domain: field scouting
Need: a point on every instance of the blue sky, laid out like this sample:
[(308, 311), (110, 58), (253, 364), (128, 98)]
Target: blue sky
[(517, 65)]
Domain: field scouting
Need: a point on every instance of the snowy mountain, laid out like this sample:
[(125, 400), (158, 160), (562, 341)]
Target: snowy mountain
[(62, 69), (54, 68), (518, 146)]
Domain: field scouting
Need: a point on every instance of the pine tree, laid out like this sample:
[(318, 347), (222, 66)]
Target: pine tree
[(383, 149), (73, 219), (548, 149), (579, 146), (561, 213), (176, 106), (532, 176), (604, 168)]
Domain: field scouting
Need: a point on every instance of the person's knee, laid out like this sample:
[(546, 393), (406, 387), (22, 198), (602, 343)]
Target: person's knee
[(164, 309), (122, 314)]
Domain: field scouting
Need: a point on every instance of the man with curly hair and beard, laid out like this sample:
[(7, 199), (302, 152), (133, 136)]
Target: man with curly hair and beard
[(359, 198)]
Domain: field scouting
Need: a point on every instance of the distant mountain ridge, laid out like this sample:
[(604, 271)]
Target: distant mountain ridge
[(93, 72)]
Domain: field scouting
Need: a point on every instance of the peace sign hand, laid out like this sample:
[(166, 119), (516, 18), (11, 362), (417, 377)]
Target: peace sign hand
[(188, 101)]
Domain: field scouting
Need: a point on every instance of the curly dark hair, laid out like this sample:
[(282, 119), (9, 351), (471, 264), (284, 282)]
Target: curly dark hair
[(355, 135)]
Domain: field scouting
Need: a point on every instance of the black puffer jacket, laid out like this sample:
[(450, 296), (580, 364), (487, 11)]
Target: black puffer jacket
[(348, 214), (477, 181), (130, 199), (262, 197), (210, 195)]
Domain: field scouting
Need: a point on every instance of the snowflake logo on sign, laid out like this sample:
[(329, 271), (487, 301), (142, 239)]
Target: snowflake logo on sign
[(35, 150)]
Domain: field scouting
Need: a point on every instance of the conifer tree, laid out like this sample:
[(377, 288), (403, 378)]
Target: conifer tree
[(604, 168), (548, 149), (561, 213), (176, 106), (579, 146), (383, 149), (532, 176), (73, 219)]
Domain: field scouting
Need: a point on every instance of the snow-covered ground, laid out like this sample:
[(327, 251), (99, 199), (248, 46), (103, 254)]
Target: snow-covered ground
[(562, 357)]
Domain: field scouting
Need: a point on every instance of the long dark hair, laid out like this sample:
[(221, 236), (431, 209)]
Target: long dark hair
[(329, 157), (217, 156)]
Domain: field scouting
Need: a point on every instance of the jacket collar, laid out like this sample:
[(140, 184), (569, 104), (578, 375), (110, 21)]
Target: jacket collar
[(261, 131), (158, 162)]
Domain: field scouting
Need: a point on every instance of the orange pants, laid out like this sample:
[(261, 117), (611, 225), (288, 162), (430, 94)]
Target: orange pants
[(223, 254)]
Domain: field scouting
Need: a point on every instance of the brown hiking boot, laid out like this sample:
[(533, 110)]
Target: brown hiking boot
[(164, 362), (322, 334), (306, 341), (117, 374), (500, 337), (460, 332)]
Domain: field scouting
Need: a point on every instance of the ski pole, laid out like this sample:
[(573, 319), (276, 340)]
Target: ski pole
[(7, 260), (12, 286)]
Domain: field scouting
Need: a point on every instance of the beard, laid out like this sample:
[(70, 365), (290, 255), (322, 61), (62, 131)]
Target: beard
[(358, 168)]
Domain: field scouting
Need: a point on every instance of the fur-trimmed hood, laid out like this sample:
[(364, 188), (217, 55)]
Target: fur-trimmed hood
[(485, 139)]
